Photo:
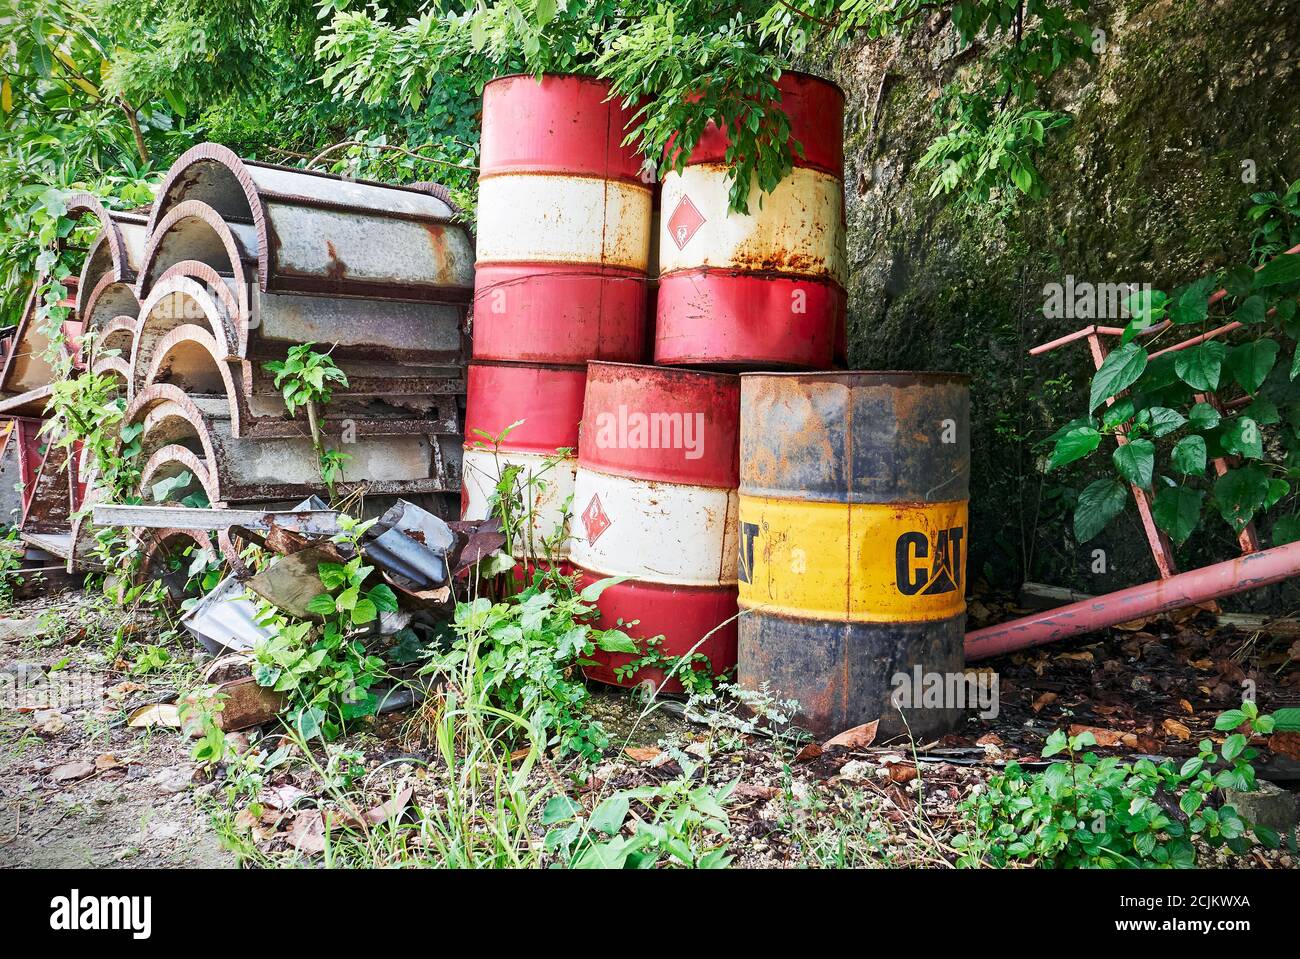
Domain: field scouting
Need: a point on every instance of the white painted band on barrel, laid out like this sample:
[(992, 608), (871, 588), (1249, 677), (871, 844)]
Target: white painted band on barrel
[(527, 218), (657, 532), (545, 499), (796, 229)]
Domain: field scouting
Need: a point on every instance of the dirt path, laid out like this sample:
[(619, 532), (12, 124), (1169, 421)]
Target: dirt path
[(78, 787)]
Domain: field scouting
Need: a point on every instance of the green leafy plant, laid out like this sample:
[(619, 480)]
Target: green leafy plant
[(11, 561), (306, 379), (517, 498), (1088, 811), (524, 654), (1167, 425), (150, 659), (325, 668), (693, 670), (682, 822), (1276, 222)]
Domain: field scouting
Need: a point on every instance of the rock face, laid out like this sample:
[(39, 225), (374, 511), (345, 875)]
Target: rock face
[(1145, 186)]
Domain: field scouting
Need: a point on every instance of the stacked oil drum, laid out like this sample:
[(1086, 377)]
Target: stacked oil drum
[(564, 222)]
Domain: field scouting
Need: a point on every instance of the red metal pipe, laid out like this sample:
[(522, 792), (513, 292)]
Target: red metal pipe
[(1186, 589)]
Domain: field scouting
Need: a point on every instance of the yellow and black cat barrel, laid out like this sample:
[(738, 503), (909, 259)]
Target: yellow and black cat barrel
[(853, 536)]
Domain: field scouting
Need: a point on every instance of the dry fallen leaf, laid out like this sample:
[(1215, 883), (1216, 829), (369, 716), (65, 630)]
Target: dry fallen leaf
[(642, 754), (307, 834), (1044, 700), (1106, 738), (1285, 744), (391, 809), (1173, 727), (50, 722), (811, 751), (70, 771), (902, 772), (155, 714), (859, 737)]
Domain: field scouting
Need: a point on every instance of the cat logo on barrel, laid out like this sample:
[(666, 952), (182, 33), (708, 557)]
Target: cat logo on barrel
[(929, 564)]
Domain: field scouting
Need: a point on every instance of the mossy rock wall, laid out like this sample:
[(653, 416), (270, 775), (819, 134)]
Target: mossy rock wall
[(1145, 186)]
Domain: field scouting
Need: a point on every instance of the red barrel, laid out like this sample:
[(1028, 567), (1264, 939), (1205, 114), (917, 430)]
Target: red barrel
[(765, 289), (655, 500), (563, 225), (548, 401)]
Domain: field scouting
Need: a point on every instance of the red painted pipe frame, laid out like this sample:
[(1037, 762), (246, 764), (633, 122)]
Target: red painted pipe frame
[(1185, 589)]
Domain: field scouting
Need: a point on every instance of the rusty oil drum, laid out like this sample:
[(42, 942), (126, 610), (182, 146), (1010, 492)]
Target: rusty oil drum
[(563, 225), (853, 539), (765, 289), (655, 500), (548, 401)]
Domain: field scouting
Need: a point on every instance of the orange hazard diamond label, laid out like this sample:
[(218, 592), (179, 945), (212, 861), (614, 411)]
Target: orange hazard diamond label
[(594, 520), (685, 222)]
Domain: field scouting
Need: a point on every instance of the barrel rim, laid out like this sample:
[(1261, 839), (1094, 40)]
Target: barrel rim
[(530, 365), (554, 75), (923, 376), (715, 374)]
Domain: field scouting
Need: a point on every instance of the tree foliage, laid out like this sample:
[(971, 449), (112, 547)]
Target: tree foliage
[(101, 95)]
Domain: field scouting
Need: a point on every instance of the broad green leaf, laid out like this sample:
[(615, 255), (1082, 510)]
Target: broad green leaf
[(1286, 720), (332, 575), (383, 597), (1263, 411), (1199, 366), (1136, 461), (608, 817), (1189, 455), (591, 592), (1239, 494), (1074, 445), (1286, 530), (1241, 435), (1177, 511), (322, 605), (559, 809), (1098, 504), (1120, 412), (1279, 271), (1251, 362), (1254, 309), (615, 641), (1203, 417), (364, 612), (1193, 303), (1118, 372), (1277, 490), (1164, 420)]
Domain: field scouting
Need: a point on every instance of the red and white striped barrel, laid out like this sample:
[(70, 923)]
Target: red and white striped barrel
[(563, 225), (767, 288), (548, 401), (655, 500)]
